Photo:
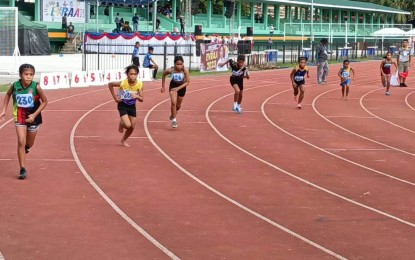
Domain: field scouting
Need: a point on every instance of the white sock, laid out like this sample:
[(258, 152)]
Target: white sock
[(174, 119), (238, 105), (235, 104)]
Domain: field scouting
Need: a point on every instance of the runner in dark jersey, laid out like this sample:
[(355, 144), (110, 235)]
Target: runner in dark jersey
[(298, 79), (239, 72), (180, 79)]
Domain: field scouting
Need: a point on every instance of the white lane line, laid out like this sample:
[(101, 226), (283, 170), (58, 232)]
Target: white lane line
[(326, 151), (296, 177), (105, 196), (351, 132), (41, 159), (354, 149), (407, 102), (380, 118), (57, 100), (355, 117), (210, 188)]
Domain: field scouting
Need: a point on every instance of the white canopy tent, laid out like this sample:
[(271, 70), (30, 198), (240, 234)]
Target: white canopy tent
[(410, 33), (389, 32)]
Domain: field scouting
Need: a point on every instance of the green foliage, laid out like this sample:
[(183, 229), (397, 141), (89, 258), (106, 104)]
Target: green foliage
[(405, 5)]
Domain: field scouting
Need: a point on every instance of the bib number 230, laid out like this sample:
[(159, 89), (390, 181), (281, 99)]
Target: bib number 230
[(25, 100)]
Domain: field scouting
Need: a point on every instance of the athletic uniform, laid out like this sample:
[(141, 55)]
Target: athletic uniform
[(127, 104), (177, 79), (237, 76), (299, 75), (386, 68), (345, 74), (25, 102), (136, 60)]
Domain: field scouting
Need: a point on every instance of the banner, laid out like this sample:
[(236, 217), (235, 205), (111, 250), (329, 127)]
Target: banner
[(212, 55), (53, 10)]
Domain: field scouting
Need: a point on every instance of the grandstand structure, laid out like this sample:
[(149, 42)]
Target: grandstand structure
[(298, 18)]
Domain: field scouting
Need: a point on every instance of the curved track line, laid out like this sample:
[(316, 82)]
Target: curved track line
[(351, 132), (324, 150), (406, 100), (51, 102), (380, 118), (301, 179), (105, 196), (210, 188)]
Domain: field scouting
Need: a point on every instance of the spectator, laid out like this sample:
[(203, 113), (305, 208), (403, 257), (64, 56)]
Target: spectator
[(135, 22), (107, 11), (64, 21), (149, 62), (92, 11), (269, 43), (71, 30), (135, 56), (322, 63), (117, 22), (157, 24), (271, 30), (181, 24), (126, 27)]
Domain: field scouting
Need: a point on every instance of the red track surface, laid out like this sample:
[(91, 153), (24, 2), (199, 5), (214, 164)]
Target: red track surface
[(333, 180)]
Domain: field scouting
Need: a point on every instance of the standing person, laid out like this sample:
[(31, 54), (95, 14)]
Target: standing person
[(298, 79), (239, 71), (271, 30), (135, 22), (64, 21), (130, 90), (180, 79), (157, 24), (269, 43), (404, 62), (28, 102), (117, 22), (181, 24), (135, 56), (345, 74), (323, 64), (107, 11), (71, 32), (149, 62), (385, 71)]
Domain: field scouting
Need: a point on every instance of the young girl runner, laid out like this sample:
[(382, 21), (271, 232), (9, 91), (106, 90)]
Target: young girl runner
[(130, 90), (345, 78), (180, 79), (298, 79), (28, 102), (385, 71), (239, 71)]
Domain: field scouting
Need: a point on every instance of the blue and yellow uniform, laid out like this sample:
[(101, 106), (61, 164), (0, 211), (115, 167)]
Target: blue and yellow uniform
[(177, 79), (127, 104), (25, 102), (345, 74), (299, 75)]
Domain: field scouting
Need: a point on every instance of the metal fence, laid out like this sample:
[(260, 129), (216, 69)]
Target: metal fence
[(115, 56)]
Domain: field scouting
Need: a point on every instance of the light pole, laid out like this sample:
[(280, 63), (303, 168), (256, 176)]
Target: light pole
[(312, 22)]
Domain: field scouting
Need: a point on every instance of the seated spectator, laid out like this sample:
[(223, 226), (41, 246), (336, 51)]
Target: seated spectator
[(126, 28), (149, 62), (71, 32)]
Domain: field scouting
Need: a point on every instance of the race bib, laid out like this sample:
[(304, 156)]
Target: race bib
[(178, 77), (25, 100), (298, 78), (125, 95), (345, 74), (237, 73)]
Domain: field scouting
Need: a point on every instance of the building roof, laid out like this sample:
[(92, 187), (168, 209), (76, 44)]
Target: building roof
[(341, 4)]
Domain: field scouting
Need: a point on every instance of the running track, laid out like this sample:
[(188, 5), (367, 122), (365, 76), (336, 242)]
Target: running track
[(334, 180)]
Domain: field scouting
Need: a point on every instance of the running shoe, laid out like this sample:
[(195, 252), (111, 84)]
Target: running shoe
[(299, 106), (239, 110), (174, 124), (23, 174), (27, 149), (387, 94), (234, 108)]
